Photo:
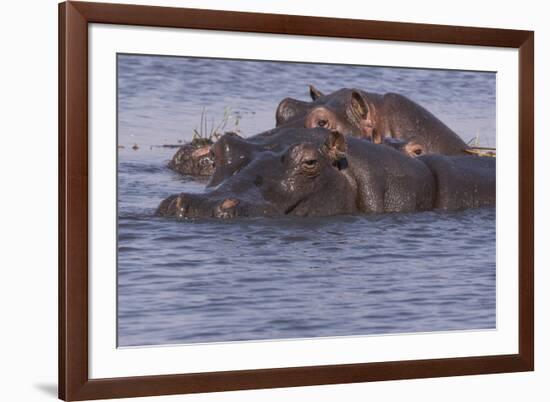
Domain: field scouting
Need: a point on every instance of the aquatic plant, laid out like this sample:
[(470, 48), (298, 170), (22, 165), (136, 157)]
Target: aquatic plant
[(476, 149), (208, 131)]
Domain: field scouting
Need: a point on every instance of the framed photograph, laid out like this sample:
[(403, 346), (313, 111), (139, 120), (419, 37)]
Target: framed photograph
[(260, 200)]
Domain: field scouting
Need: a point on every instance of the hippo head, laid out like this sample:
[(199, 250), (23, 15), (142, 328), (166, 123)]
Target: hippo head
[(346, 110), (303, 179), (193, 159), (229, 154), (409, 148), (416, 146)]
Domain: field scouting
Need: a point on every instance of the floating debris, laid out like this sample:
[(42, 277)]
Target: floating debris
[(482, 151), (476, 149)]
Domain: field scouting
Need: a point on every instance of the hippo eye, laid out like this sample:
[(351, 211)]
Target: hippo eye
[(322, 123), (417, 151), (310, 167), (310, 163)]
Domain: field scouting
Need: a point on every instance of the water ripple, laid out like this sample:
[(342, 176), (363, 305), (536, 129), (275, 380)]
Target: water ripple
[(211, 281)]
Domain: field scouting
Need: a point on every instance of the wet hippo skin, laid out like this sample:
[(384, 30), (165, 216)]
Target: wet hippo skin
[(374, 117), (318, 172), (462, 181)]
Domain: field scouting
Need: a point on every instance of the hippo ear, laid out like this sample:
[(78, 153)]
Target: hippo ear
[(360, 114), (288, 109), (336, 146), (314, 93), (359, 106), (394, 143)]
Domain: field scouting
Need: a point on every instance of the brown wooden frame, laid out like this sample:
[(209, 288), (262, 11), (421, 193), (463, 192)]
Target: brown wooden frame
[(74, 383)]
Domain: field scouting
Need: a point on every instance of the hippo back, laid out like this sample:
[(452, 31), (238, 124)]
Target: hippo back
[(388, 180), (462, 181)]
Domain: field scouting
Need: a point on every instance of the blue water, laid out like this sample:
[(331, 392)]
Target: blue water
[(251, 279)]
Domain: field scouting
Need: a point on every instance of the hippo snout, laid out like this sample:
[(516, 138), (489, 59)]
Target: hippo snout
[(175, 205), (195, 206), (228, 208)]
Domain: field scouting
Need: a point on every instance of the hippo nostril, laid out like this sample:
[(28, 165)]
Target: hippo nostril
[(227, 209), (258, 181), (229, 203)]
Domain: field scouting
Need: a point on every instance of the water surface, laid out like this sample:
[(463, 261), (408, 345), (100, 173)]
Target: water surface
[(250, 279)]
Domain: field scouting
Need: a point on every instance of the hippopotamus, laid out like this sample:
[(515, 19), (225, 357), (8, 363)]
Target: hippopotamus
[(232, 152), (462, 181), (374, 117), (193, 159), (321, 172)]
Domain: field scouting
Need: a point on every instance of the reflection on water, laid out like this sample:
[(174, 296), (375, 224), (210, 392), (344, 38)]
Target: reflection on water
[(211, 281)]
